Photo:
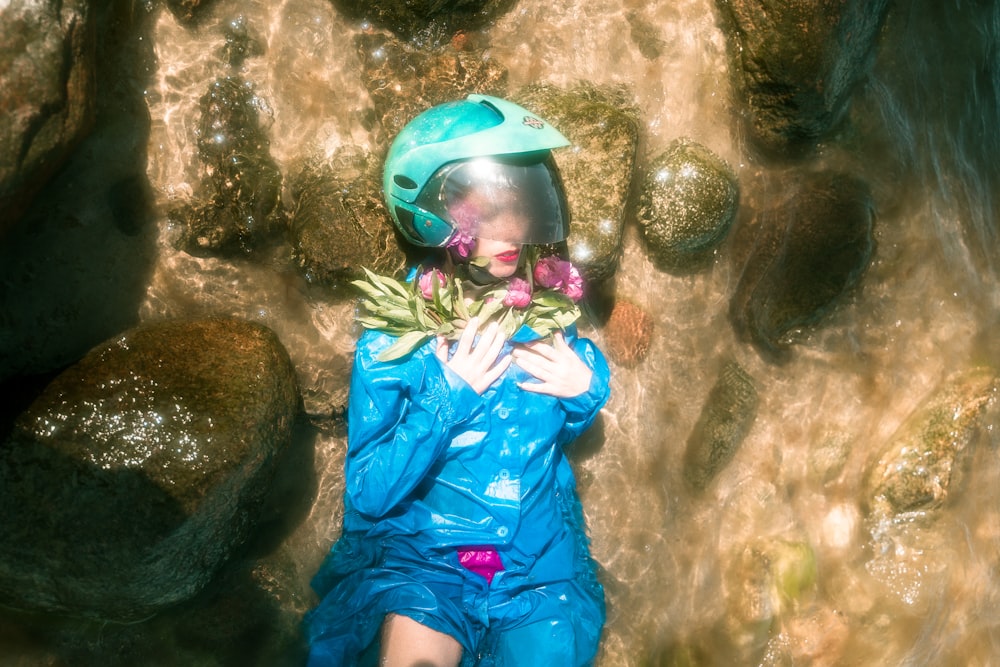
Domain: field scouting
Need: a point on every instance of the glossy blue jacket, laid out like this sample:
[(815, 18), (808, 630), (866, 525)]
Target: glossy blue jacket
[(431, 467)]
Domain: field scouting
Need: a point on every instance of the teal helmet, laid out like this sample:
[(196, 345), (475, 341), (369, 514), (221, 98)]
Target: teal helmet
[(481, 167)]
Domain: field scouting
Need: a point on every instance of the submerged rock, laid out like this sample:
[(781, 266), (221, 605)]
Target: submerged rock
[(795, 64), (629, 332), (340, 222), (725, 420), (139, 470), (239, 203), (47, 86), (764, 582), (801, 256), (687, 205), (922, 463), (920, 469), (403, 80), (426, 22), (597, 171)]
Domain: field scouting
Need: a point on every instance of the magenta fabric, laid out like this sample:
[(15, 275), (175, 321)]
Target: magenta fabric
[(484, 561)]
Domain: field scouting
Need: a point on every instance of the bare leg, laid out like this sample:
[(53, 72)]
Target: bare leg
[(406, 643)]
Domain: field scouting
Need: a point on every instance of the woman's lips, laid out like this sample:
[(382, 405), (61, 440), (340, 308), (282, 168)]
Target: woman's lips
[(509, 256)]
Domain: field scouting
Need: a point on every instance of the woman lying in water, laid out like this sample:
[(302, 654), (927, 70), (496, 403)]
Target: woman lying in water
[(463, 539)]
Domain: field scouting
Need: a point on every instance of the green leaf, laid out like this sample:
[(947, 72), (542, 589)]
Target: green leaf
[(388, 285), (552, 299), (371, 322), (461, 309), (404, 345)]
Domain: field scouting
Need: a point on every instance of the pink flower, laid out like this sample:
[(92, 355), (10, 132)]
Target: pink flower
[(461, 244), (518, 293), (559, 274), (426, 282)]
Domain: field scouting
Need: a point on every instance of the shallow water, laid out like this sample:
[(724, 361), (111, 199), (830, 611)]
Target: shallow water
[(923, 131)]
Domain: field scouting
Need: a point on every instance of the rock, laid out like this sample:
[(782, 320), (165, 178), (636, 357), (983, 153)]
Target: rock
[(427, 23), (241, 43), (687, 205), (139, 470), (188, 11), (47, 85), (597, 171), (795, 64), (921, 465), (800, 257), (726, 418), (340, 222), (239, 204), (628, 331), (764, 582), (916, 473), (403, 81)]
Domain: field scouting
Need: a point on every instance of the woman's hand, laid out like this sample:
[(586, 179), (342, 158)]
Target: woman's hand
[(477, 362), (561, 373)]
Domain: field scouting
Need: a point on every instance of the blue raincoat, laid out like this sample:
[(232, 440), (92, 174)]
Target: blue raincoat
[(432, 467)]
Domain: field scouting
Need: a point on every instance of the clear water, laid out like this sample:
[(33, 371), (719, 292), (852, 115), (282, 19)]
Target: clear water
[(923, 131)]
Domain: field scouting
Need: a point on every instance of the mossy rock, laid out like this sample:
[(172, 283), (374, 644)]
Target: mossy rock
[(687, 205), (603, 125)]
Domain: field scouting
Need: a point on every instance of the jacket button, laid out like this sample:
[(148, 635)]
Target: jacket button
[(502, 531), (504, 474), (503, 413)]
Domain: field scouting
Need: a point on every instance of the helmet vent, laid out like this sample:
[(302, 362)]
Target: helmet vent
[(404, 182)]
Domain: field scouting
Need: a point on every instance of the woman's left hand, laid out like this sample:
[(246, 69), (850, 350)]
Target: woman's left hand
[(561, 373)]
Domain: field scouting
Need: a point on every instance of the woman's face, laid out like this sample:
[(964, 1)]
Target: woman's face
[(502, 256)]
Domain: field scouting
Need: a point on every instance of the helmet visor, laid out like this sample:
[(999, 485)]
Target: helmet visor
[(516, 199)]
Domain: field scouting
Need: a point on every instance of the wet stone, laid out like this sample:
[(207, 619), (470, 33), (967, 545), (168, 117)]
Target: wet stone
[(141, 469), (427, 23), (800, 257), (241, 42), (726, 418), (404, 81), (764, 583), (47, 101), (339, 222), (686, 206), (238, 206), (628, 332), (603, 125), (921, 469), (795, 64), (922, 464)]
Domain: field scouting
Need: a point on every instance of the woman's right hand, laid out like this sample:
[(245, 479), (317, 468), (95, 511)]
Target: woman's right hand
[(477, 362)]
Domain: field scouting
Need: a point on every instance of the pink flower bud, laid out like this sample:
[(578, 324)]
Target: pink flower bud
[(518, 293), (426, 284)]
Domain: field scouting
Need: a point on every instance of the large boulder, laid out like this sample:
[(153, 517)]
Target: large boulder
[(795, 64), (47, 83), (139, 470), (340, 222), (799, 257), (687, 204), (603, 126)]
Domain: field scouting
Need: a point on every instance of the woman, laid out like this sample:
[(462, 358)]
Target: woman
[(463, 539)]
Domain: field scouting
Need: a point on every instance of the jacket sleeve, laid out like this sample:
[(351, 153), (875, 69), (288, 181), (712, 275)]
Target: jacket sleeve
[(401, 416), (582, 410)]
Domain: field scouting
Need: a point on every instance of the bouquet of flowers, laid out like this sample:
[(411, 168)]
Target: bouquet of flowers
[(435, 304)]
